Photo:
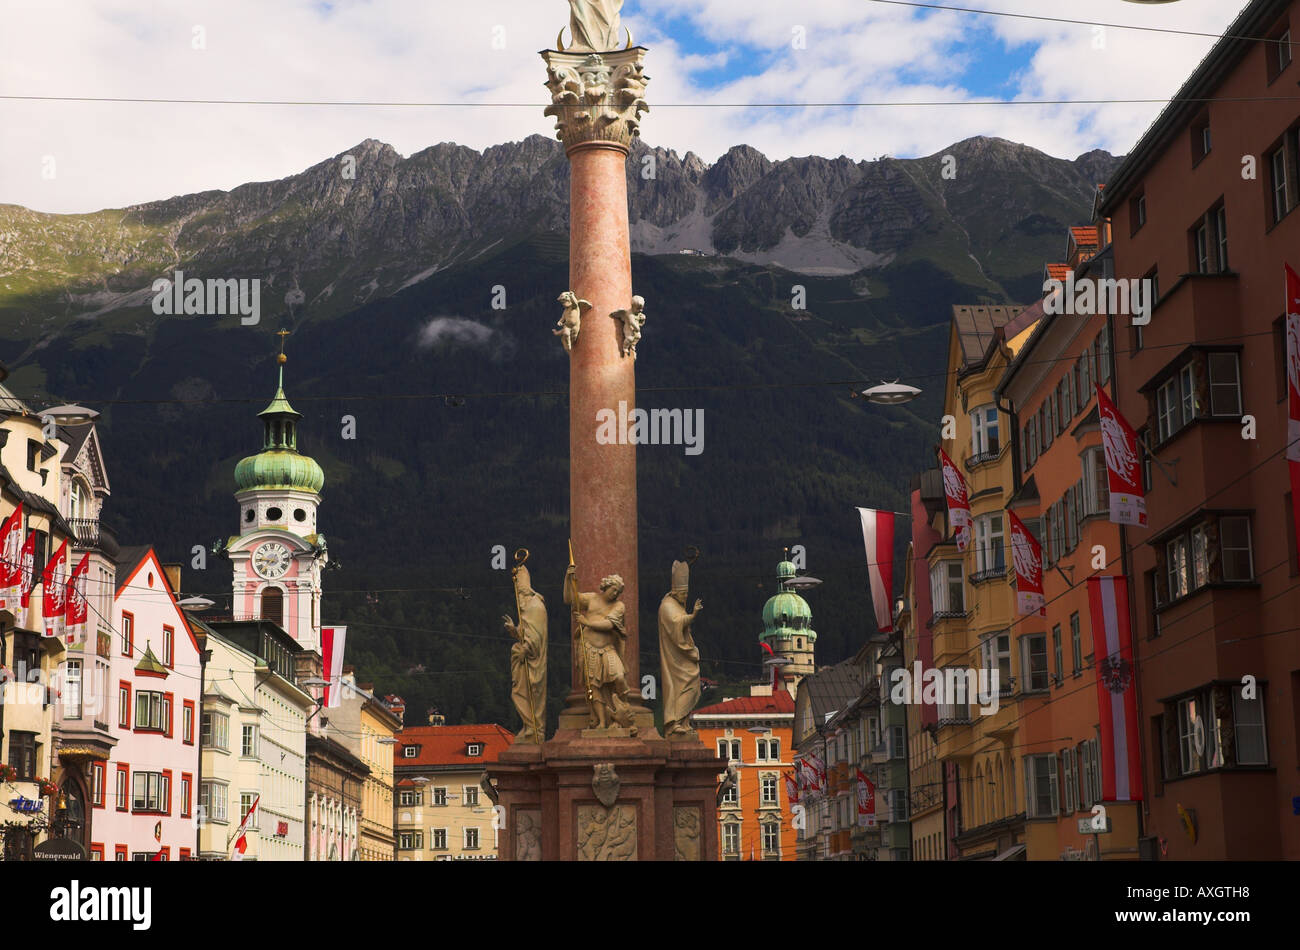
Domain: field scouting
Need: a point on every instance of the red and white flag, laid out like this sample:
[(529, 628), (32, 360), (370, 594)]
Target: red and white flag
[(241, 836), (54, 583), (26, 577), (866, 801), (791, 789), (811, 777), (331, 639), (1027, 556), (954, 490), (77, 611), (11, 559), (1293, 389), (1112, 645), (1128, 505), (819, 767), (878, 534)]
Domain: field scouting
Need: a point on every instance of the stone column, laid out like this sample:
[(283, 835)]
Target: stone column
[(597, 99)]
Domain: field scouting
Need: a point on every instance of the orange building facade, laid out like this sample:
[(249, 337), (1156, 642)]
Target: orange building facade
[(754, 733)]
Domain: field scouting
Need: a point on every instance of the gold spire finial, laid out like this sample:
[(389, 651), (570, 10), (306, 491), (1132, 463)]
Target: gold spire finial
[(281, 358)]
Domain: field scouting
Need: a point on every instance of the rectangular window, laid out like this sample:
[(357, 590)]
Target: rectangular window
[(150, 714), (471, 839), (1096, 482), (471, 795), (147, 792), (1225, 384), (169, 647), (1248, 723), (1049, 422), (124, 705), (984, 432), (1176, 563), (187, 785), (1200, 558), (1192, 735), (246, 800), (119, 788), (128, 633), (1279, 166), (187, 723), (995, 655), (1041, 782), (947, 588), (731, 838), (771, 838), (22, 754), (1283, 51), (1137, 212), (248, 741), (767, 790), (1221, 236), (212, 800), (1076, 644), (215, 731), (990, 555), (1235, 550), (410, 840), (439, 797), (97, 780), (72, 690), (1033, 660), (439, 837), (408, 798)]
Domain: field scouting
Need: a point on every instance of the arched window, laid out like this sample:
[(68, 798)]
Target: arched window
[(273, 605)]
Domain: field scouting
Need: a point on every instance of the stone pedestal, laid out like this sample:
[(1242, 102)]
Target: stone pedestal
[(664, 809)]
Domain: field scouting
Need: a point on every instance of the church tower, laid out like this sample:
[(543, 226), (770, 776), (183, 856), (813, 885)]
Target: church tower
[(278, 556), (787, 629)]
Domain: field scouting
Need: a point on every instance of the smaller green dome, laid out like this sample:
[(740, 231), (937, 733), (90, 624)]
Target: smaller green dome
[(279, 468), (786, 614)]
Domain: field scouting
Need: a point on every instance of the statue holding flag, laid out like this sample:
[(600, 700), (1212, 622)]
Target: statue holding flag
[(528, 654)]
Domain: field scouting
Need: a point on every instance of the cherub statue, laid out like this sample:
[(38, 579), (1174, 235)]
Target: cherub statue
[(633, 319), (570, 321)]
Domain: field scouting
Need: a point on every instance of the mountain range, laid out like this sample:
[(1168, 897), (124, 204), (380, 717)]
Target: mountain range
[(385, 270)]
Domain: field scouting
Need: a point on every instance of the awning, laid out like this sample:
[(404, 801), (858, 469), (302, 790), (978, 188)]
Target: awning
[(1014, 853)]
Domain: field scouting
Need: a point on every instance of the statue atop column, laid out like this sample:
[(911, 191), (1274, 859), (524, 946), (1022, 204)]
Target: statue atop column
[(679, 658), (528, 654), (594, 25), (600, 618)]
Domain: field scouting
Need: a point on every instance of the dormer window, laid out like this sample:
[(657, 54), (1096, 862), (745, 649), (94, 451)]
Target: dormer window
[(410, 751), (474, 748)]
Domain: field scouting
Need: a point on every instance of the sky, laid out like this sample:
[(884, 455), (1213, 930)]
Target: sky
[(722, 73)]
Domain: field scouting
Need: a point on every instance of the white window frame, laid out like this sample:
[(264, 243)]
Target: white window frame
[(471, 795), (768, 789), (943, 576), (408, 798), (1281, 184), (72, 672), (730, 837), (438, 839), (471, 832), (1178, 567), (771, 837), (990, 543), (984, 432), (1284, 51), (1096, 482), (410, 752), (248, 741), (1027, 667), (1076, 643), (1189, 712), (995, 654), (439, 792), (1070, 781)]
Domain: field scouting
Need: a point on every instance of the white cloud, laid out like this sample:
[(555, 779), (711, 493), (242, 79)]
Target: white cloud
[(110, 155)]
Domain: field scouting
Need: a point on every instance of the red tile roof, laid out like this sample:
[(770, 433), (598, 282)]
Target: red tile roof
[(1085, 236), (448, 745), (778, 702), (1058, 271)]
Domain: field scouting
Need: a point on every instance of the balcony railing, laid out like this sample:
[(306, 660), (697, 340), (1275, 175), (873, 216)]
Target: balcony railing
[(93, 533)]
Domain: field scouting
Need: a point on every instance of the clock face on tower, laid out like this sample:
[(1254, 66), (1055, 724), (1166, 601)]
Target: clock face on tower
[(271, 560)]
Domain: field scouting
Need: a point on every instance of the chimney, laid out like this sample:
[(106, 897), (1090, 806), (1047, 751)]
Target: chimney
[(173, 572)]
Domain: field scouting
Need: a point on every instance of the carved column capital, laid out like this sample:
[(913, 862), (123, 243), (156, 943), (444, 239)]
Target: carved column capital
[(597, 98)]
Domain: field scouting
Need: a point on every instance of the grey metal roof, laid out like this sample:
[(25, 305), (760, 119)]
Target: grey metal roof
[(832, 689), (977, 328)]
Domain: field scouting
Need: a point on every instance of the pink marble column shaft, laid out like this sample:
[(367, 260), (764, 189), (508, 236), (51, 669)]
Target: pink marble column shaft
[(602, 478)]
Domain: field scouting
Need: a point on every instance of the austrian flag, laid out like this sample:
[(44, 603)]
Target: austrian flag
[(1112, 645), (954, 490), (878, 534)]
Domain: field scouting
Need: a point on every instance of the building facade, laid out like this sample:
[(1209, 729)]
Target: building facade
[(368, 726), (254, 743), (144, 806), (754, 734), (443, 811), (30, 476), (1213, 593)]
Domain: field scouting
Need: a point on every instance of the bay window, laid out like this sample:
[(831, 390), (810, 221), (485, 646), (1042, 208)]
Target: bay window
[(947, 588), (990, 554), (984, 433), (1214, 727)]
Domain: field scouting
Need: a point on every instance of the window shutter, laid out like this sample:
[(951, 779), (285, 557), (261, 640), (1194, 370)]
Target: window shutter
[(1054, 779)]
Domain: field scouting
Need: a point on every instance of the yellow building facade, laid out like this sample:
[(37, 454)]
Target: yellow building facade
[(973, 621)]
